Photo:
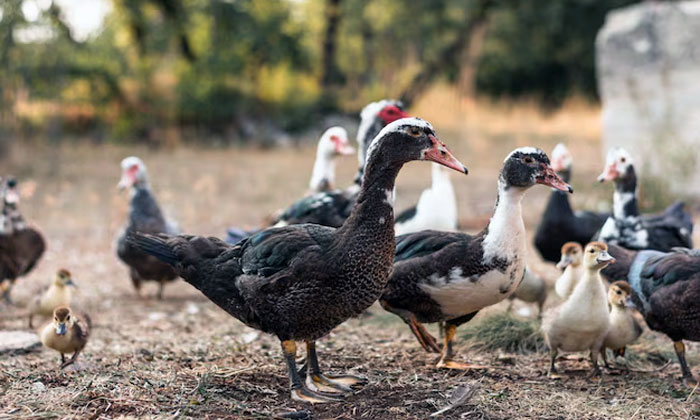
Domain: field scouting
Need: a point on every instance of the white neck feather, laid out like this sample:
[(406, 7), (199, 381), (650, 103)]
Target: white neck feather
[(324, 169), (506, 231), (620, 200)]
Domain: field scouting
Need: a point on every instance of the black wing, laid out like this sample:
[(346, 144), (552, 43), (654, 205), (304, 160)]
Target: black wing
[(326, 209), (406, 215), (418, 244)]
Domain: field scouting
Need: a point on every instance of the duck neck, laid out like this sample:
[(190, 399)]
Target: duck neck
[(12, 219), (323, 175), (625, 195), (144, 208), (505, 234), (592, 282)]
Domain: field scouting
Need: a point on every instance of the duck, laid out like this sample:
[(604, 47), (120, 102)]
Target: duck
[(21, 245), (624, 328), (666, 291), (572, 265), (59, 293), (332, 144), (560, 224), (66, 333), (581, 322), (626, 227), (450, 276), (436, 208), (332, 208), (144, 216), (532, 289), (299, 282)]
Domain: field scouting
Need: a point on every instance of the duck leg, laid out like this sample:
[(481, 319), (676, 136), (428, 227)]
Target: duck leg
[(161, 286), (688, 379), (299, 391), (594, 362), (328, 383), (552, 356), (136, 281), (70, 361), (446, 361), (426, 340)]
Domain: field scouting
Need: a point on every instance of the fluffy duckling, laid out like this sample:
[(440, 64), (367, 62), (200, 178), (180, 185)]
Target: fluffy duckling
[(624, 328), (571, 263), (67, 333), (59, 293), (582, 321)]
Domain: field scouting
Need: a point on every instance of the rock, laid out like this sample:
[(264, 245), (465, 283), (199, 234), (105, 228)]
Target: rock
[(38, 387), (648, 66), (18, 342)]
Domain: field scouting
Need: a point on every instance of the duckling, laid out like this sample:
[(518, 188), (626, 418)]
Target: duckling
[(58, 294), (532, 289), (571, 259), (624, 328), (67, 333), (581, 322)]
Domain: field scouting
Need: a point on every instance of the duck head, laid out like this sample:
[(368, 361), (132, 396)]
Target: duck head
[(10, 192), (562, 161), (618, 166), (62, 320), (334, 142), (596, 256), (373, 117), (527, 166), (620, 295), (134, 173), (571, 255), (63, 278), (410, 139)]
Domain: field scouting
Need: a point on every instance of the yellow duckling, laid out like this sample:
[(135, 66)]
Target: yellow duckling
[(67, 333), (582, 321), (59, 293), (571, 259), (624, 328)]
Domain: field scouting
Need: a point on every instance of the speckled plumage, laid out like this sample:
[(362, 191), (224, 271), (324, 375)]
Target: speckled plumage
[(299, 282), (666, 288)]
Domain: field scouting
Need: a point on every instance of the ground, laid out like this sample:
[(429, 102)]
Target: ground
[(182, 357)]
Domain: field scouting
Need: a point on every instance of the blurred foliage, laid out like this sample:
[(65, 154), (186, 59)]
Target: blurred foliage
[(223, 66)]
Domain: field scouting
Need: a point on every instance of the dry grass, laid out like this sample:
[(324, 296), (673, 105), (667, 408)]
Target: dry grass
[(185, 358)]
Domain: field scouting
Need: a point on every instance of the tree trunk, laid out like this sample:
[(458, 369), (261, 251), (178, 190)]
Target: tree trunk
[(453, 51), (330, 74)]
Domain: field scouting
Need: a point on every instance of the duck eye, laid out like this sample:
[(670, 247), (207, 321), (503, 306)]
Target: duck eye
[(528, 160), (618, 292), (414, 131), (623, 160)]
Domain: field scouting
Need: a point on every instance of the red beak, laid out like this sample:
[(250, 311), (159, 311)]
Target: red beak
[(610, 173), (550, 178), (439, 154)]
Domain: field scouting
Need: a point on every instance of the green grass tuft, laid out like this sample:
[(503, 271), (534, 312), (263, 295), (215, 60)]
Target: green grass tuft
[(505, 332)]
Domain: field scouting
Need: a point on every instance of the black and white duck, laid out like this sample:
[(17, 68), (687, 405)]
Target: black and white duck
[(450, 276), (299, 282), (333, 207), (332, 144), (626, 227), (145, 216), (21, 245), (666, 290), (436, 208), (560, 224)]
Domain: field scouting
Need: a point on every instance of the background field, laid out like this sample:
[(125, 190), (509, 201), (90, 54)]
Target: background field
[(183, 357)]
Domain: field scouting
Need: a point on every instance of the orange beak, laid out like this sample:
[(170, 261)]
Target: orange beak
[(439, 154)]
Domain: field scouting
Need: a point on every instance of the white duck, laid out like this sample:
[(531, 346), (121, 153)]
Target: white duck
[(571, 262), (436, 208)]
